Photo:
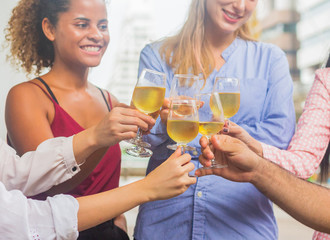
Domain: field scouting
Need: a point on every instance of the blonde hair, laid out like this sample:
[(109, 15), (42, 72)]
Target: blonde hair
[(188, 51)]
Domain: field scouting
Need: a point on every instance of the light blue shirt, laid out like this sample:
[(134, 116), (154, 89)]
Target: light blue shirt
[(215, 208)]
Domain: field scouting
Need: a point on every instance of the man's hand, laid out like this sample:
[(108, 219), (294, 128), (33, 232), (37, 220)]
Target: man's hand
[(242, 162)]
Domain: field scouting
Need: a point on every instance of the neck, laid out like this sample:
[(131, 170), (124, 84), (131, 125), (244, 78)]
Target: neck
[(67, 76), (218, 41)]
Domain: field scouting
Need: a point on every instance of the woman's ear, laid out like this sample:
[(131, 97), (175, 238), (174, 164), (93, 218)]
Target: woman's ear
[(48, 29)]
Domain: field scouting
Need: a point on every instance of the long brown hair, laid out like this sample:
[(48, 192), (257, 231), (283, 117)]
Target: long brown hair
[(188, 50), (324, 166)]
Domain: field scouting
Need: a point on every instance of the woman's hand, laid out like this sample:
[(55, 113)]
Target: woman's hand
[(234, 130), (170, 178), (121, 123), (164, 111)]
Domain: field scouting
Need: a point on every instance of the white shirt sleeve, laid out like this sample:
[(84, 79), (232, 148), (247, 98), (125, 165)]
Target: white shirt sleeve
[(35, 172), (22, 218)]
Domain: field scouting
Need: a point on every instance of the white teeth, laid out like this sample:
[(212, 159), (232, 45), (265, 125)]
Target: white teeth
[(91, 49), (231, 16)]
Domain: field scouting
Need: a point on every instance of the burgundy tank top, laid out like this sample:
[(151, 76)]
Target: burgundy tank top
[(106, 174)]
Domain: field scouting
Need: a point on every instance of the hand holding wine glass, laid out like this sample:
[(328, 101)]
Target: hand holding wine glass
[(211, 119), (148, 97)]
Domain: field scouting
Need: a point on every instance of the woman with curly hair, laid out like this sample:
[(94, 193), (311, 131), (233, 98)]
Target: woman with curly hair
[(215, 41), (67, 37)]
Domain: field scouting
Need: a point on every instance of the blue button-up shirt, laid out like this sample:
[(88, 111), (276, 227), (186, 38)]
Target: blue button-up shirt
[(215, 208)]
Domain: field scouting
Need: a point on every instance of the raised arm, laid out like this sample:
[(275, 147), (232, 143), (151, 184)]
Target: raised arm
[(311, 139), (61, 217), (306, 202), (34, 125)]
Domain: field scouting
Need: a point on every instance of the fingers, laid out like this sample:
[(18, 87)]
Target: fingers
[(204, 142), (166, 103), (176, 154), (226, 143), (164, 115), (183, 159), (203, 172), (134, 117)]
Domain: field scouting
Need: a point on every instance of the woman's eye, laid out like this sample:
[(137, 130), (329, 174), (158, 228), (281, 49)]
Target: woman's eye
[(81, 25), (103, 27)]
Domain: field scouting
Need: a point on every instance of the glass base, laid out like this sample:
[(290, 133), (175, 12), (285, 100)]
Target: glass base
[(138, 151), (186, 148), (138, 142)]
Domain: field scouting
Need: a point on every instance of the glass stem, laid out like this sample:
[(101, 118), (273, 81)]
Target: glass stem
[(183, 149), (139, 135)]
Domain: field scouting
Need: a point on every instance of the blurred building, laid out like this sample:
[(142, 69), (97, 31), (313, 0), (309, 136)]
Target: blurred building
[(313, 32), (136, 31), (279, 20)]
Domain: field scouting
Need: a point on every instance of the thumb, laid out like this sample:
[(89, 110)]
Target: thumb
[(176, 154), (224, 143)]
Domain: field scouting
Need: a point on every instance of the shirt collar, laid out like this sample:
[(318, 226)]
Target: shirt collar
[(230, 49)]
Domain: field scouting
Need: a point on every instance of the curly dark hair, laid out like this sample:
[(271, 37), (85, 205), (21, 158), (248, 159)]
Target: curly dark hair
[(29, 47)]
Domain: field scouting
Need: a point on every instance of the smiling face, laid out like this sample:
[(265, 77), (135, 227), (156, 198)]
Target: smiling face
[(227, 16), (81, 35)]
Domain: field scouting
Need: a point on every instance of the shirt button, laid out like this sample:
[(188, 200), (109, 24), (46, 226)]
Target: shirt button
[(74, 169), (194, 152), (199, 194)]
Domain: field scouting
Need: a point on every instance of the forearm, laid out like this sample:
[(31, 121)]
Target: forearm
[(101, 207), (306, 202), (84, 144)]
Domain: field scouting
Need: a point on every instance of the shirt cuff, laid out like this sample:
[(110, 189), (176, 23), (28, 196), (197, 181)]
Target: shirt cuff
[(65, 216), (69, 158), (266, 151)]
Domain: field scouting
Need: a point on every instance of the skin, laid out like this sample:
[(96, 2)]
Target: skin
[(168, 180), (29, 112), (306, 202)]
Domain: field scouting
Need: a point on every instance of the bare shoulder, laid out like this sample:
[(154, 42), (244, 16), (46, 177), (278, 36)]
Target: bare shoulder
[(26, 95), (110, 98)]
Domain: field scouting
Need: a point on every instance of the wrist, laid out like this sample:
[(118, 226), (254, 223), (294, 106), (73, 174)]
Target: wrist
[(255, 146), (259, 170), (84, 144)]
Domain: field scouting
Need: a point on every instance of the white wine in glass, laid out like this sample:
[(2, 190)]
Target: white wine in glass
[(184, 86), (229, 92), (182, 122), (148, 97), (211, 119)]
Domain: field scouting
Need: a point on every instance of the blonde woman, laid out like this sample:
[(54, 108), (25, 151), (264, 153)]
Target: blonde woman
[(215, 41)]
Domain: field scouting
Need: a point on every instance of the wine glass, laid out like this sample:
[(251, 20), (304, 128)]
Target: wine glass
[(228, 90), (182, 122), (148, 97), (184, 86), (211, 119)]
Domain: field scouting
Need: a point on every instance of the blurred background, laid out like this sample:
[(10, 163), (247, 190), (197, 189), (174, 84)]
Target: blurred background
[(301, 28)]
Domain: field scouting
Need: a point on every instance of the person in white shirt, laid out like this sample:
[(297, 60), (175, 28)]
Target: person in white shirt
[(62, 216)]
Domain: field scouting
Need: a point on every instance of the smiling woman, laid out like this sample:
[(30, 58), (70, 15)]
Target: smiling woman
[(67, 37), (215, 41)]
